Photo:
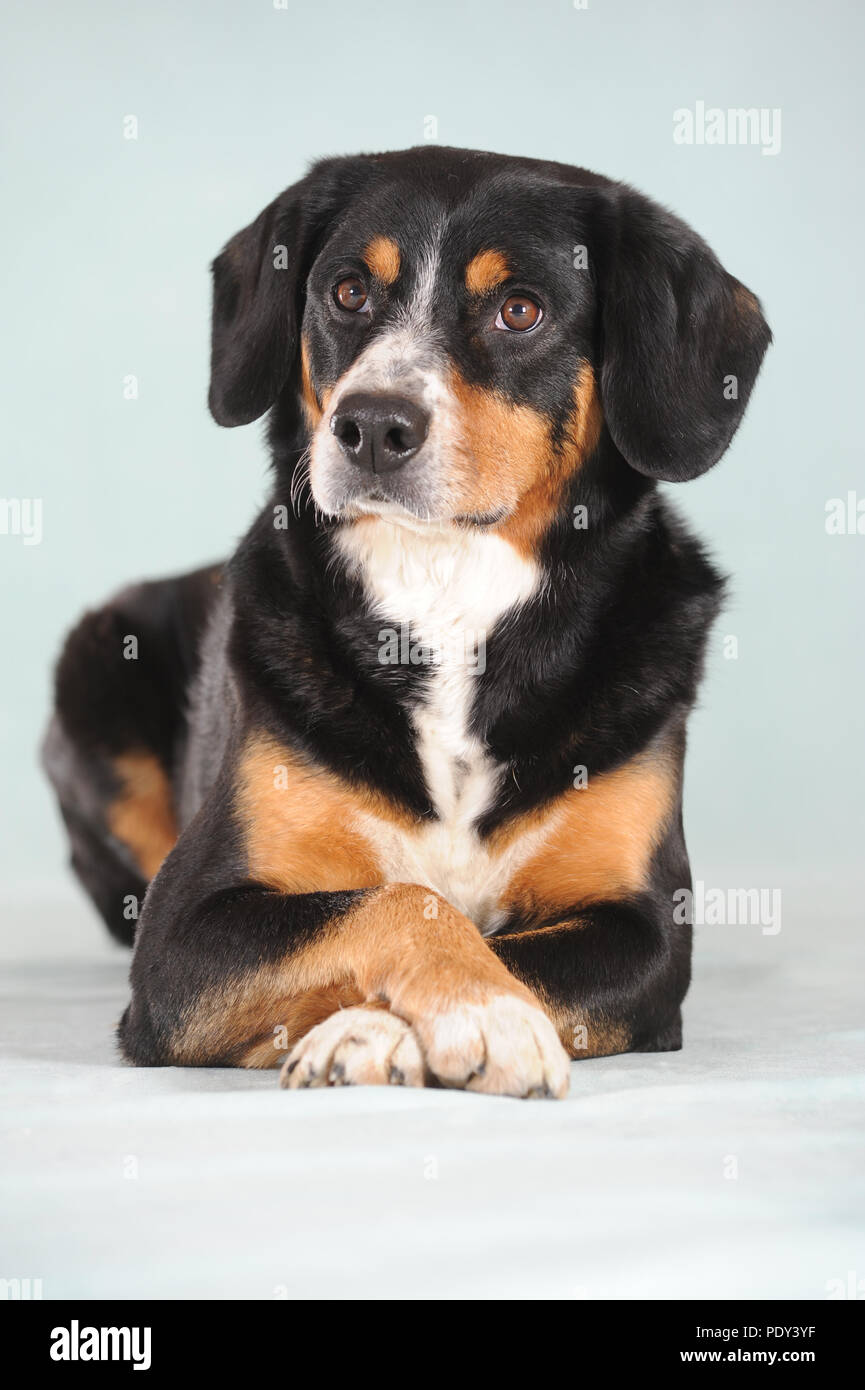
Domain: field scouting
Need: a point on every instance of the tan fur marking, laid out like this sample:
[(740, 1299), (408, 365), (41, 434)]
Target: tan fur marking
[(383, 258), (486, 270), (314, 402), (309, 397), (403, 945), (542, 501), (299, 822), (602, 1038), (600, 842), (507, 448), (746, 303), (142, 817), (512, 462), (296, 1017)]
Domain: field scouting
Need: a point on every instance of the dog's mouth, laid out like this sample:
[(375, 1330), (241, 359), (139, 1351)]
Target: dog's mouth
[(376, 504), (413, 507), (480, 520)]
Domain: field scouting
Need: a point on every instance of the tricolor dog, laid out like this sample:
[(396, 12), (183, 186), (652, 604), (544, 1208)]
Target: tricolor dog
[(402, 780)]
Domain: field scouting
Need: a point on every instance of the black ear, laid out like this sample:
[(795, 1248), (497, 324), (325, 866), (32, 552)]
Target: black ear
[(257, 286), (682, 341)]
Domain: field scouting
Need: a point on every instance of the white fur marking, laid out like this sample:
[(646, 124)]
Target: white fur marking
[(444, 583)]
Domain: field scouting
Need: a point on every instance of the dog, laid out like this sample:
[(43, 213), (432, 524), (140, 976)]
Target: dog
[(395, 796)]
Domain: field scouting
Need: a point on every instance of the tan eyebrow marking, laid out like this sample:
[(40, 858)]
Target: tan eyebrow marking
[(486, 270), (382, 257)]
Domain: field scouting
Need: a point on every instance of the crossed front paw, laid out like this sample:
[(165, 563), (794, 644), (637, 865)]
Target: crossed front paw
[(355, 1047), (503, 1046)]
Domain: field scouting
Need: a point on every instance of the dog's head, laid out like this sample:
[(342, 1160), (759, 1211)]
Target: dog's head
[(459, 330)]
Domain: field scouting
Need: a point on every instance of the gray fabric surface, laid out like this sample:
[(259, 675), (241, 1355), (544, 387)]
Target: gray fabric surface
[(213, 1184)]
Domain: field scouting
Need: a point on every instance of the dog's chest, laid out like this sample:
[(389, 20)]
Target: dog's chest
[(439, 597)]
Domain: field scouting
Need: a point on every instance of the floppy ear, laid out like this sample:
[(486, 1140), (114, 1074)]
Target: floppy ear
[(257, 284), (682, 342)]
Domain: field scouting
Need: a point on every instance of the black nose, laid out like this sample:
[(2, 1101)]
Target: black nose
[(380, 433)]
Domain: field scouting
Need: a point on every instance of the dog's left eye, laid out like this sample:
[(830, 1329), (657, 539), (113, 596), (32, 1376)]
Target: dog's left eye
[(519, 314), (350, 294)]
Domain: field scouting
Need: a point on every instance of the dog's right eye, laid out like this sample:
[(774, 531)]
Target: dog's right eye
[(350, 294)]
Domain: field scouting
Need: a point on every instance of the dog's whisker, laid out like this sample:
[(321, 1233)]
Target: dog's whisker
[(300, 480)]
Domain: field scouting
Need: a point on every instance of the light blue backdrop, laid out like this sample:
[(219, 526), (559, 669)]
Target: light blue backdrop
[(106, 243)]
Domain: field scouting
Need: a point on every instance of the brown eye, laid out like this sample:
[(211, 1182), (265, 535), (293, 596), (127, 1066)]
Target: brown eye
[(519, 313), (350, 294)]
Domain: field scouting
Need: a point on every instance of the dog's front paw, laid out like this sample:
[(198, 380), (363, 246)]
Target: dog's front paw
[(355, 1047), (504, 1047)]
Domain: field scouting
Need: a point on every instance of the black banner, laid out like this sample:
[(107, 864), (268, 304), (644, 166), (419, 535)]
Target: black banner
[(159, 1338)]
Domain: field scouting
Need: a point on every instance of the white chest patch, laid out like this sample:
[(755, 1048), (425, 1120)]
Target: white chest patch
[(444, 589)]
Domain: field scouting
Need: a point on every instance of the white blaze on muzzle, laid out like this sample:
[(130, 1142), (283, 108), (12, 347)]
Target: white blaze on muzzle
[(406, 359)]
